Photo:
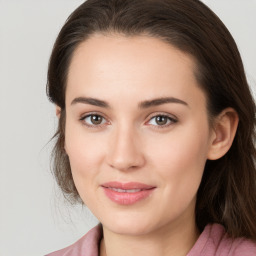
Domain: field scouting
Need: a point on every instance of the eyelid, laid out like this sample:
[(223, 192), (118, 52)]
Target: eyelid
[(85, 115), (172, 118)]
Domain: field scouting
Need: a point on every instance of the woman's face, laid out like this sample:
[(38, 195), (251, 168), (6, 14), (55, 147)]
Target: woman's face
[(137, 132)]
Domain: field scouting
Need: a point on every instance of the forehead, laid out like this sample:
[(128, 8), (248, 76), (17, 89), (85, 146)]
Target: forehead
[(139, 49), (144, 64)]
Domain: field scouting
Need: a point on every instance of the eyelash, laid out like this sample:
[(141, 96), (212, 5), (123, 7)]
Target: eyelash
[(170, 119), (90, 116)]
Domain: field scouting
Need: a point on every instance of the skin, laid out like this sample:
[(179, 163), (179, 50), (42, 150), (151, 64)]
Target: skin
[(129, 145)]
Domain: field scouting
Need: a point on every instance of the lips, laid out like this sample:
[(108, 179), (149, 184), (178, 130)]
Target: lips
[(127, 193), (125, 190)]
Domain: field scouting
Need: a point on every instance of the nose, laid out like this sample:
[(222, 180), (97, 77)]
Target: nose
[(125, 150)]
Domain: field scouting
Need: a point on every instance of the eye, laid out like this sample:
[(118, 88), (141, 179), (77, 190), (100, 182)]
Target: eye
[(94, 120), (162, 120)]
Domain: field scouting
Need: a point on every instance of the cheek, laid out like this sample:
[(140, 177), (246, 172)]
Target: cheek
[(180, 160), (181, 149), (83, 148), (81, 155), (85, 157)]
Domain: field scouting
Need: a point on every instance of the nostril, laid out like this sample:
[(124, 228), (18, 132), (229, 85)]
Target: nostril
[(126, 164)]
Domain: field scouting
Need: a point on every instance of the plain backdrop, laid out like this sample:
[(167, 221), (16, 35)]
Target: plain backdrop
[(34, 218)]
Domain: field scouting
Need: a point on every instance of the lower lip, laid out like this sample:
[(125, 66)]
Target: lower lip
[(127, 198)]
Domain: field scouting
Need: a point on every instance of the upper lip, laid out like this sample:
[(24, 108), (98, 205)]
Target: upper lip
[(127, 186)]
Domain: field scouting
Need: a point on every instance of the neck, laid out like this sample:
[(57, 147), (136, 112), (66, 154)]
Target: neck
[(171, 240)]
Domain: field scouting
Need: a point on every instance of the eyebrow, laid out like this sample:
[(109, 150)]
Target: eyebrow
[(90, 101), (143, 104), (161, 101)]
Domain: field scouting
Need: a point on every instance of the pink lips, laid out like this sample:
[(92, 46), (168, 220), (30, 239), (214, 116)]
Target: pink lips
[(127, 193)]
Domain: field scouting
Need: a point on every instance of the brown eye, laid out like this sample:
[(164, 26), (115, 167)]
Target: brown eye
[(93, 120), (96, 119), (161, 120)]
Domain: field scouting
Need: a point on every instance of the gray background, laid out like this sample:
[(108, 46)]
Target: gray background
[(34, 219)]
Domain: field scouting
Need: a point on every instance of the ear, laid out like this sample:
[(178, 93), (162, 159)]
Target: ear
[(224, 132), (58, 111)]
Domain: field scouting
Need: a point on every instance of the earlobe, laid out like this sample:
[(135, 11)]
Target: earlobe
[(58, 111), (224, 133)]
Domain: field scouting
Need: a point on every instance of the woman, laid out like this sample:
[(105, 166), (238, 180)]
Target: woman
[(156, 129)]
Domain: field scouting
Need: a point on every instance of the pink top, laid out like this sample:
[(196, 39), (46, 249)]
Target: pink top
[(213, 241)]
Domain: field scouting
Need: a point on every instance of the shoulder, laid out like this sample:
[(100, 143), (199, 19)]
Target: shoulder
[(214, 241), (89, 243)]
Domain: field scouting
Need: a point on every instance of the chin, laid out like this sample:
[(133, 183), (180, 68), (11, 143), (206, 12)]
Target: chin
[(132, 230), (129, 224)]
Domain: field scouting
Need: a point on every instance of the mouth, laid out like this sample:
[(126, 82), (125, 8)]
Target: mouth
[(125, 190), (127, 193)]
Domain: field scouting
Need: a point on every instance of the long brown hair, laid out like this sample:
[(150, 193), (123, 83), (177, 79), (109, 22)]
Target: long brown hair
[(227, 194)]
